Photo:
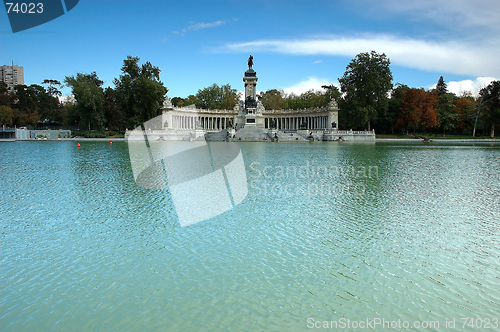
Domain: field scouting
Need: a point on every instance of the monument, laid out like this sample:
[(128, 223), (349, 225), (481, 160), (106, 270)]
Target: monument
[(250, 113), (249, 120)]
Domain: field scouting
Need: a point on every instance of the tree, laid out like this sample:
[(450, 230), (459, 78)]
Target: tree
[(190, 100), (366, 84), (177, 101), (217, 97), (465, 106), (50, 106), (52, 89), (387, 123), (114, 115), (490, 97), (426, 114), (89, 95), (273, 99), (447, 117), (312, 98), (441, 86), (331, 92), (139, 91), (26, 103), (5, 97), (408, 111), (417, 110), (7, 115)]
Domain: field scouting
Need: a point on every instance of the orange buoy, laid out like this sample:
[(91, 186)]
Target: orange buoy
[(78, 145), (110, 143)]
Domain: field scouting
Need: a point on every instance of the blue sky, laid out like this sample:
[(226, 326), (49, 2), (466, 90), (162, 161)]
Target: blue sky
[(297, 44)]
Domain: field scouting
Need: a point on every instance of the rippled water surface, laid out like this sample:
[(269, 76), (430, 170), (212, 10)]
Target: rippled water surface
[(328, 231)]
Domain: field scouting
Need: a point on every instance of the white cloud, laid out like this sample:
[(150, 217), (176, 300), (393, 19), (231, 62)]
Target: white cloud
[(312, 83), (447, 57), (457, 14), (459, 87), (317, 61), (199, 26)]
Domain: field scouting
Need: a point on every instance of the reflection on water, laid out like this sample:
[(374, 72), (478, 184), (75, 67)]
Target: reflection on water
[(327, 231)]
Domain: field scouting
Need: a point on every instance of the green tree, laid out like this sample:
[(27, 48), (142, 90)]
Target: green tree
[(312, 98), (441, 86), (53, 90), (490, 96), (140, 91), (115, 119), (26, 103), (273, 100), (89, 96), (177, 101), (387, 123), (447, 116), (70, 114), (331, 92), (5, 96), (50, 107), (24, 98), (7, 115), (366, 84), (190, 100), (217, 97)]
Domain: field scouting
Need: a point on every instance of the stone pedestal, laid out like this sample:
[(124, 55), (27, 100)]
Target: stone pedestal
[(252, 111)]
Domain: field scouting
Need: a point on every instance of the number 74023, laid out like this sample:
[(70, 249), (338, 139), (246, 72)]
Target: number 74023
[(24, 8)]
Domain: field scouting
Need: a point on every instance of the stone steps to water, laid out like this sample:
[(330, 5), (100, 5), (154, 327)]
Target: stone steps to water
[(216, 135), (252, 134), (291, 136)]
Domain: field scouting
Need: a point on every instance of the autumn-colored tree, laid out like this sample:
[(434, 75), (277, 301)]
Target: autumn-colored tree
[(466, 107), (408, 115), (428, 118), (417, 110)]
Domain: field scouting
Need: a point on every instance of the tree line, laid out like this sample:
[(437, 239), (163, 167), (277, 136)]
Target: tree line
[(367, 99), (137, 96), (370, 100)]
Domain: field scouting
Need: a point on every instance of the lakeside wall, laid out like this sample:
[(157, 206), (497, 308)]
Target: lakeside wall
[(28, 134), (256, 134)]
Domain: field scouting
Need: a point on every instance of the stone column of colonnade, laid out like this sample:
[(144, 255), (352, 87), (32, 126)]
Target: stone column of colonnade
[(294, 122), (188, 122)]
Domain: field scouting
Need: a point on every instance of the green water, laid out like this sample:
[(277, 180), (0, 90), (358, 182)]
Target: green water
[(328, 232)]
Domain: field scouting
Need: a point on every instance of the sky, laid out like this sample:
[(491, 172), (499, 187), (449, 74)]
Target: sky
[(297, 45)]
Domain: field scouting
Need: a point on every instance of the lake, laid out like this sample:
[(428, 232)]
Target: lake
[(352, 234)]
